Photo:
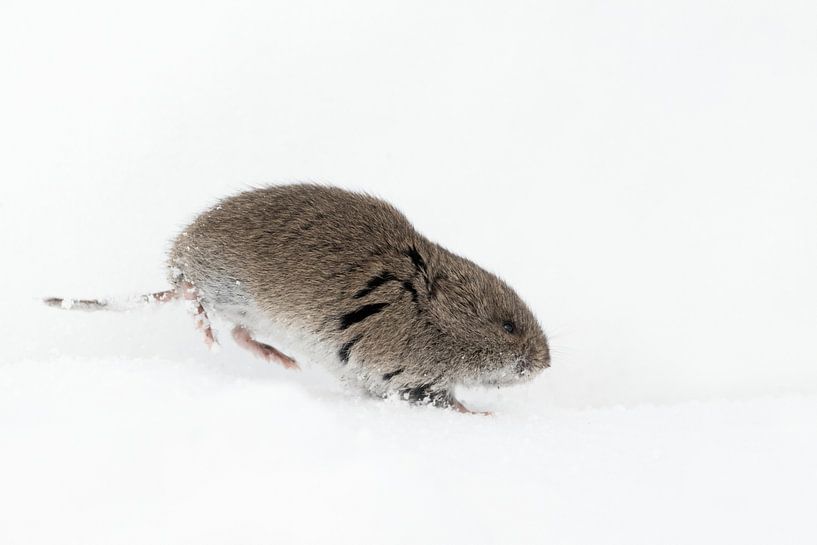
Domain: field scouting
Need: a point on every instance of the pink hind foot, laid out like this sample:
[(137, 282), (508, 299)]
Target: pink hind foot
[(265, 351), (187, 292), (203, 324)]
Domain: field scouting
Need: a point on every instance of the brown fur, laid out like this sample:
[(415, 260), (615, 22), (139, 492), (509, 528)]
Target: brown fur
[(349, 271)]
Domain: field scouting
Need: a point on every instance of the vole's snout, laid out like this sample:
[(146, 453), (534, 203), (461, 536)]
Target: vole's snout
[(533, 364), (546, 357), (537, 360)]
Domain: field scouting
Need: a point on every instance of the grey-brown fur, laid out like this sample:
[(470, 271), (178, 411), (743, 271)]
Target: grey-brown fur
[(348, 273)]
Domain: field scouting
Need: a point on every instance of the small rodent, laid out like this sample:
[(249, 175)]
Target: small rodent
[(345, 278)]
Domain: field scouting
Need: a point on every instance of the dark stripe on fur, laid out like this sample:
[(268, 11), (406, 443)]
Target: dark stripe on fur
[(375, 283), (389, 376), (343, 353), (409, 287), (361, 314), (417, 260)]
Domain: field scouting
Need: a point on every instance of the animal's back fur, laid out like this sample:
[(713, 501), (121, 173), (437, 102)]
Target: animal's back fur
[(292, 247)]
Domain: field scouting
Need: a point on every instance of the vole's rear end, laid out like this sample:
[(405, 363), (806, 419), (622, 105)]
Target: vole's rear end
[(287, 262)]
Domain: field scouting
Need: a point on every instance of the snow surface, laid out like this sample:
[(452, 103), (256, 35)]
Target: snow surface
[(643, 173)]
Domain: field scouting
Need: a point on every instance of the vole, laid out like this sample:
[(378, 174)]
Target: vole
[(345, 277)]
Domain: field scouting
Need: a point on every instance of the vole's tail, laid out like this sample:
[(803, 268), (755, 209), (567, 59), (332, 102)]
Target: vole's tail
[(184, 291), (118, 305)]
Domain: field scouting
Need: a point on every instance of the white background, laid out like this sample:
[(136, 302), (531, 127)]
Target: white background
[(644, 173)]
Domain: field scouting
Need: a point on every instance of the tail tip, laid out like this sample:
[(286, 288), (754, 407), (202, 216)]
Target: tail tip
[(53, 301), (59, 302), (75, 304)]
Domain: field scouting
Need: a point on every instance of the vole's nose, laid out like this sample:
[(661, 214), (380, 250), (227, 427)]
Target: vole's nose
[(541, 363), (535, 358)]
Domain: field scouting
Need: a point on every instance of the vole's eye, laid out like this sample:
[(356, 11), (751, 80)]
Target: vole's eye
[(509, 326)]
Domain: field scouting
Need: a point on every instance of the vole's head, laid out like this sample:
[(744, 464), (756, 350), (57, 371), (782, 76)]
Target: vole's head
[(491, 336)]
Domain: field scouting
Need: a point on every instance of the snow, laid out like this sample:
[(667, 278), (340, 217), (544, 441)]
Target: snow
[(643, 173)]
